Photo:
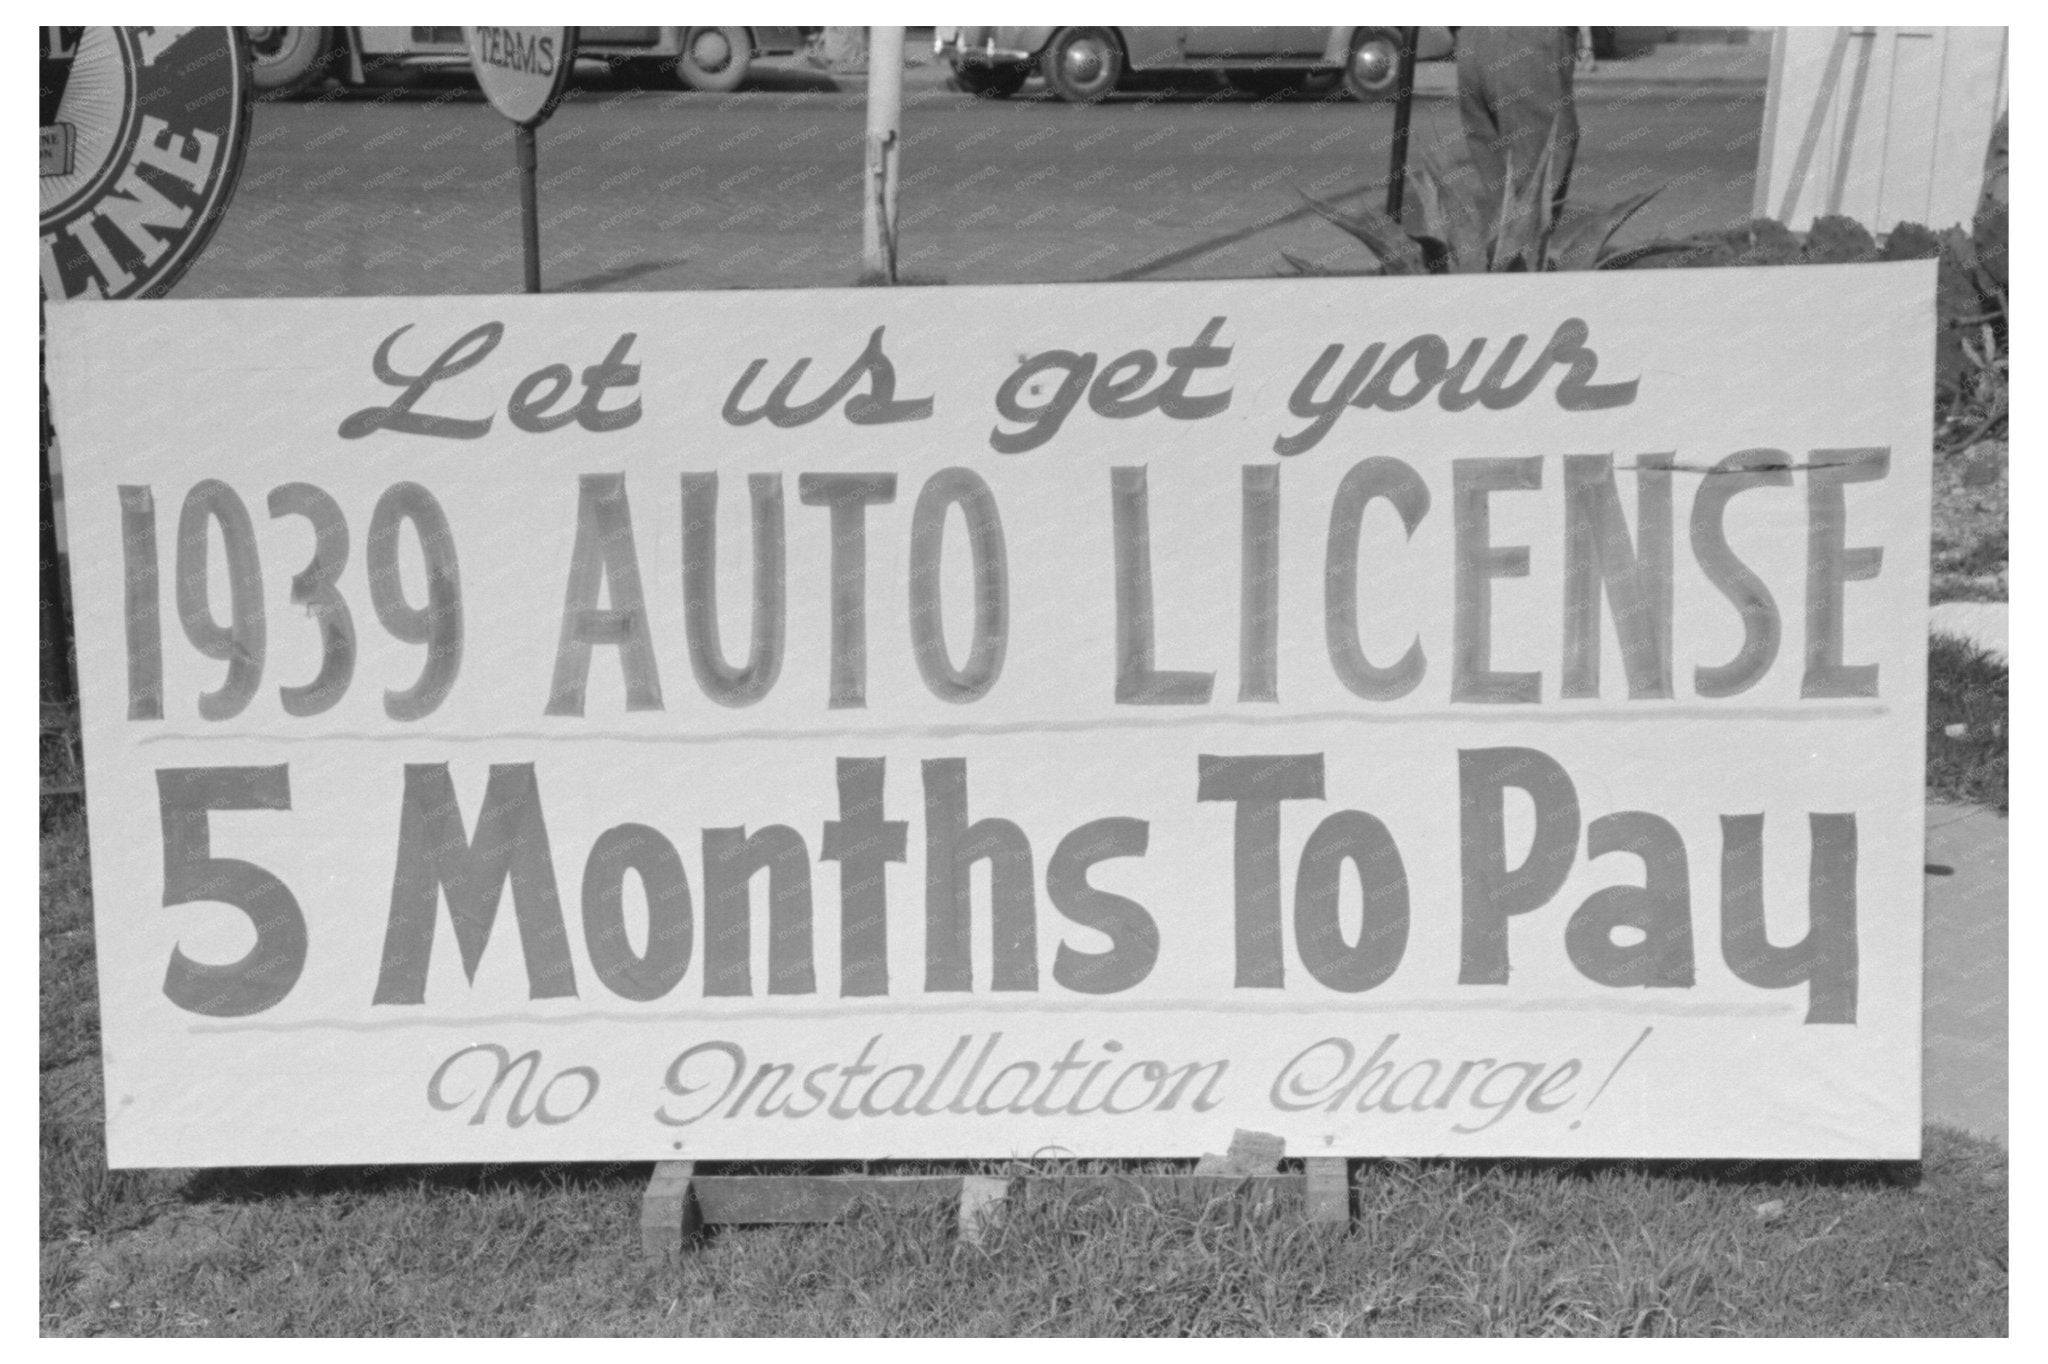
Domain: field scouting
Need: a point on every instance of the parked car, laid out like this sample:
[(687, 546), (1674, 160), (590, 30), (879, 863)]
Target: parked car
[(716, 59), (1083, 65)]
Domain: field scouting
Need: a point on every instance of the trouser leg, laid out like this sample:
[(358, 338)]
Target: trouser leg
[(1514, 84), (1475, 112), (1532, 92)]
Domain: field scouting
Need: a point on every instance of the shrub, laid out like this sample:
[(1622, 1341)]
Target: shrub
[(1467, 233), (1835, 240)]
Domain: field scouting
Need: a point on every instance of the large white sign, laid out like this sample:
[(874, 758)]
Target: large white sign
[(1446, 716)]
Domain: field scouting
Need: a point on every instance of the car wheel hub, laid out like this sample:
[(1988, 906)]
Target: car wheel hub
[(711, 51), (1372, 64), (1084, 63)]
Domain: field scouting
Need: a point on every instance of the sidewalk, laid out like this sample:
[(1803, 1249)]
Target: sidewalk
[(1965, 1037), (1965, 1030), (1982, 623), (1734, 69)]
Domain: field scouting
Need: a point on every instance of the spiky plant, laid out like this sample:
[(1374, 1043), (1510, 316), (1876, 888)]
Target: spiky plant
[(1463, 233)]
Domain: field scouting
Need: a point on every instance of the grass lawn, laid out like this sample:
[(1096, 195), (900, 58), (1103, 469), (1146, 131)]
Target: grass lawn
[(1966, 723), (1452, 1248), (1966, 690), (1971, 489)]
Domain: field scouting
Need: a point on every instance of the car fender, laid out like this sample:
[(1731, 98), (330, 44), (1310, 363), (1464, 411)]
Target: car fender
[(1151, 47), (1431, 43), (1031, 40), (382, 40), (776, 41), (1144, 49)]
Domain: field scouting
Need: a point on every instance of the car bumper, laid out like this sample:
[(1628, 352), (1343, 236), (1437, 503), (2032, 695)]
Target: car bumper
[(985, 47)]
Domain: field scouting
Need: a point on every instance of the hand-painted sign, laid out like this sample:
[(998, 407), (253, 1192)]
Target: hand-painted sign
[(1472, 716), (522, 70), (142, 138)]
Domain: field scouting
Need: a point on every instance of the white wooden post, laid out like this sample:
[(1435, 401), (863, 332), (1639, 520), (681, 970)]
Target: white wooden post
[(884, 141)]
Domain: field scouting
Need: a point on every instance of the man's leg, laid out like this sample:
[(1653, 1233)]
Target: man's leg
[(1532, 71)]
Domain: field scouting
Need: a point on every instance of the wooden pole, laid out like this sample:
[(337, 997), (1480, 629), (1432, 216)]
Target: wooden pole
[(529, 205), (1404, 105), (884, 141)]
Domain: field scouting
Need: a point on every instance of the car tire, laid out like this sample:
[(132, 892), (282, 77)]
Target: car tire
[(990, 82), (1082, 65), (714, 60), (286, 61), (1373, 73)]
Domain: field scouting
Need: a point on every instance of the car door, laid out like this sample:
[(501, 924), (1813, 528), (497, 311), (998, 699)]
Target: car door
[(1283, 42), (1149, 49), (1229, 40)]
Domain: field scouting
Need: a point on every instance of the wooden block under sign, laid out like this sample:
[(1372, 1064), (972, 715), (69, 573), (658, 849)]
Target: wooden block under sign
[(669, 1215)]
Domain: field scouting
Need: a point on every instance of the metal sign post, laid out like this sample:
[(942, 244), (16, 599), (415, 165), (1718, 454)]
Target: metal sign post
[(529, 205), (524, 72), (1404, 106), (884, 142)]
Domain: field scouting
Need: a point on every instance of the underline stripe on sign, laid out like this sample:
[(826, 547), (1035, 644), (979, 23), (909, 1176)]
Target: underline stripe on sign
[(1463, 717), (1659, 1009)]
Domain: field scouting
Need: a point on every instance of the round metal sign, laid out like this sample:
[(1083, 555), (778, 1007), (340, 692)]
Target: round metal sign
[(143, 133), (524, 71)]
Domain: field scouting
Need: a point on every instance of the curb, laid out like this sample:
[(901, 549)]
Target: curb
[(1438, 80), (1619, 92)]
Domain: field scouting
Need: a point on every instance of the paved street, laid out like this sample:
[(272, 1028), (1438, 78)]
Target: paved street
[(414, 192)]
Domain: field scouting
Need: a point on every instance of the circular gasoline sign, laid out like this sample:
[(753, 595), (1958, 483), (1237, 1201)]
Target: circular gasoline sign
[(523, 71), (143, 131)]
